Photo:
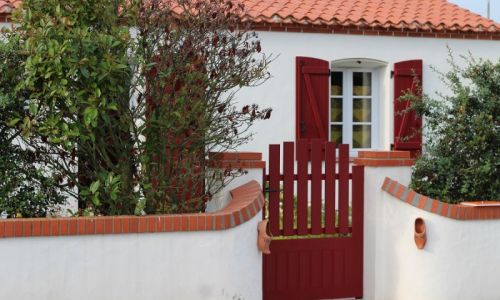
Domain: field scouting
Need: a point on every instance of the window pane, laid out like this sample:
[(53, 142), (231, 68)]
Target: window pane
[(336, 110), (336, 83), (336, 134), (362, 110), (362, 83), (361, 136)]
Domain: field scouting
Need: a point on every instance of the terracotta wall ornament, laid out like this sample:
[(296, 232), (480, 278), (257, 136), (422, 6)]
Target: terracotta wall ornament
[(263, 238), (420, 233)]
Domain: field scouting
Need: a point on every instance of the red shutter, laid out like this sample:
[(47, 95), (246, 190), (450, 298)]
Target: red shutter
[(407, 126), (311, 116)]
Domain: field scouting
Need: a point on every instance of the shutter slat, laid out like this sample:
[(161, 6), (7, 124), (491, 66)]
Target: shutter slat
[(407, 126)]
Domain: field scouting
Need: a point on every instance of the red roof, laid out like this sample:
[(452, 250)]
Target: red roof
[(412, 14), (6, 6)]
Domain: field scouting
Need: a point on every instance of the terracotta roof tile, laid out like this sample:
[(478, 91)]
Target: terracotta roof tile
[(7, 6), (421, 14), (412, 14)]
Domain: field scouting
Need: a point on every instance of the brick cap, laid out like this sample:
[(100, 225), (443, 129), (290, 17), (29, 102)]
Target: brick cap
[(236, 160), (384, 159), (247, 201), (462, 212)]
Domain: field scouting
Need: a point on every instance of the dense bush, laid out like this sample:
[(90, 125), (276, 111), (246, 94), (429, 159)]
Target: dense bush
[(26, 189), (124, 123), (461, 161)]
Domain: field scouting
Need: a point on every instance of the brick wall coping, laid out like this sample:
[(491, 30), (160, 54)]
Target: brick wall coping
[(247, 200), (376, 31), (453, 211), (384, 159), (236, 160)]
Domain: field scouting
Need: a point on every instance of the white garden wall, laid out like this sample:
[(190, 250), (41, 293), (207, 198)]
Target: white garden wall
[(279, 92), (178, 265), (460, 260)]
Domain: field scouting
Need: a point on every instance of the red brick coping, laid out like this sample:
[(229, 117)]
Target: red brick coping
[(384, 159), (453, 211), (247, 200), (236, 160)]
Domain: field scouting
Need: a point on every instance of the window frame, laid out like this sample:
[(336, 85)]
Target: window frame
[(347, 107)]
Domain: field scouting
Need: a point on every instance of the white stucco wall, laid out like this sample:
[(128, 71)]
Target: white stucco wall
[(279, 92), (460, 260), (182, 266)]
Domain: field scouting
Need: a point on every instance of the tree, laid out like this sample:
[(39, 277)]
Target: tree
[(26, 189), (197, 55), (461, 161), (76, 75), (126, 121)]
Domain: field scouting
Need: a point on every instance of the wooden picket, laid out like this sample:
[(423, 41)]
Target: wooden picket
[(318, 247)]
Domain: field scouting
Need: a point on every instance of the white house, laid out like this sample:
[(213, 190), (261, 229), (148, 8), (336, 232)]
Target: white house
[(342, 64)]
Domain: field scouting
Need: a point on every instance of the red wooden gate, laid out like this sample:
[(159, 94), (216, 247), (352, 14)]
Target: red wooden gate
[(317, 249)]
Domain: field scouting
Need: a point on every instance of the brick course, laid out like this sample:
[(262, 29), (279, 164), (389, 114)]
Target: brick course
[(453, 211), (384, 159), (376, 31), (241, 209)]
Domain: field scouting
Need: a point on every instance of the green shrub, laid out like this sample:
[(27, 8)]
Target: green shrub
[(125, 121), (462, 135), (27, 188)]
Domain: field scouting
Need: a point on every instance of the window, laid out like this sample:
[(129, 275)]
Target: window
[(353, 100)]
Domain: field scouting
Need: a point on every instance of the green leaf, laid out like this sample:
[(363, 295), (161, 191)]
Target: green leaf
[(95, 200), (95, 186), (13, 122), (90, 115), (85, 72), (33, 108)]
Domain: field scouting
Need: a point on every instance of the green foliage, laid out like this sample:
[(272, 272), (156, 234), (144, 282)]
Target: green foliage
[(76, 75), (125, 124), (26, 189), (462, 130), (195, 64)]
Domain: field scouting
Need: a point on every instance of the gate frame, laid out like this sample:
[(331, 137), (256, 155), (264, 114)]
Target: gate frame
[(348, 240)]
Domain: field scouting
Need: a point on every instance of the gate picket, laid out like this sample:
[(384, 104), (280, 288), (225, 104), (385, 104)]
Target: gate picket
[(358, 178), (302, 187), (274, 189), (344, 189), (316, 166), (288, 182), (330, 161)]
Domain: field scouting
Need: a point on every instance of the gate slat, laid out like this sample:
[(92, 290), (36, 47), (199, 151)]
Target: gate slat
[(316, 166), (344, 189), (330, 162), (357, 227), (302, 188), (288, 183), (274, 189)]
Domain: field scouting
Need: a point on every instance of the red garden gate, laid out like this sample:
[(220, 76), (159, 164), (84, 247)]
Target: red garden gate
[(317, 249)]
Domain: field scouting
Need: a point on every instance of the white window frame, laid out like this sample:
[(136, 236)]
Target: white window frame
[(347, 107)]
